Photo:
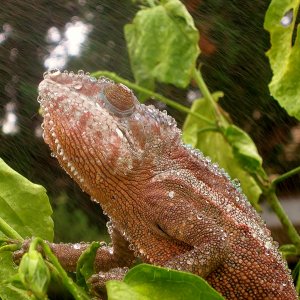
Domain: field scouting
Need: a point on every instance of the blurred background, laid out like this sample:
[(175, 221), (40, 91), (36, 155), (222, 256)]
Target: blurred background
[(37, 35)]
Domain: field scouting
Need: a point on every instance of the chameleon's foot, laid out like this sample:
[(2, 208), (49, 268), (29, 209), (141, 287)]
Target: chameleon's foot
[(97, 281), (17, 255)]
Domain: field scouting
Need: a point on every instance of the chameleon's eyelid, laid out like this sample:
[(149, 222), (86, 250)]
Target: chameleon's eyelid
[(116, 111)]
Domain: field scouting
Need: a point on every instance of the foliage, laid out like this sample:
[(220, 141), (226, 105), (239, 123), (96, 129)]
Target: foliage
[(163, 46), (85, 266), (284, 54), (25, 212), (82, 229), (146, 282), (34, 273), (24, 205), (230, 147)]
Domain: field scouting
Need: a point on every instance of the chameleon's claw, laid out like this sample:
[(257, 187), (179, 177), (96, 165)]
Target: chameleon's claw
[(97, 281), (17, 255)]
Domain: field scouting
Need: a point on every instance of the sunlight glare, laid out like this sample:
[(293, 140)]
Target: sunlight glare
[(75, 35)]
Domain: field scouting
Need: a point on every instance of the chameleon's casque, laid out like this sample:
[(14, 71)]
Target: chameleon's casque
[(168, 204)]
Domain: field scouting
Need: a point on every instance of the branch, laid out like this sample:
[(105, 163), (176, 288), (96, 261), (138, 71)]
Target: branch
[(283, 217), (206, 93), (9, 231), (77, 293), (284, 176)]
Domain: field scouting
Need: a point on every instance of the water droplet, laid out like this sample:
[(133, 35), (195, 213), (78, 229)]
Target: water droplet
[(171, 194), (45, 75), (102, 244), (77, 246), (229, 207), (80, 72), (54, 72), (268, 245), (77, 85), (287, 19), (236, 183)]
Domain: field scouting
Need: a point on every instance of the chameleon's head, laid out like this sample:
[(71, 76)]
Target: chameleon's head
[(97, 126)]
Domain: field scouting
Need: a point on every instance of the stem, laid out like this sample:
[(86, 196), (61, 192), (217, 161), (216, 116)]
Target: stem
[(269, 192), (159, 97), (5, 240), (205, 92), (11, 248), (67, 281), (289, 250), (298, 285), (278, 209), (9, 231), (34, 244), (151, 3), (284, 176), (296, 276), (283, 217), (210, 128)]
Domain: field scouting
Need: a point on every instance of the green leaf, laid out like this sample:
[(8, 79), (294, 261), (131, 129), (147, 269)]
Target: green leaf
[(24, 206), (244, 150), (283, 55), (85, 265), (162, 43), (120, 290), (34, 274), (8, 268), (288, 250), (145, 282), (7, 271), (10, 292), (233, 150)]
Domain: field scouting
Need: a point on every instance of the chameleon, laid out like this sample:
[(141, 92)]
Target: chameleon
[(168, 205)]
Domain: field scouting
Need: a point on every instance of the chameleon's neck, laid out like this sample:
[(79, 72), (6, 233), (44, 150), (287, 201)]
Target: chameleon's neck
[(131, 188)]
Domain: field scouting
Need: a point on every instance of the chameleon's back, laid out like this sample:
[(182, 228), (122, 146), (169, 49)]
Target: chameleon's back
[(253, 267)]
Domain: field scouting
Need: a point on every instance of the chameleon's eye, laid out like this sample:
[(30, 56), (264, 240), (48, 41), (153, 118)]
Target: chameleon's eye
[(119, 99)]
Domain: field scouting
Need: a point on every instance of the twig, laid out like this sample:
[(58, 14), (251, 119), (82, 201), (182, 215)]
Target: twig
[(284, 176), (9, 231)]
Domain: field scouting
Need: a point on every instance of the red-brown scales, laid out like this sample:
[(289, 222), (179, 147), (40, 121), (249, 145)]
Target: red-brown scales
[(168, 204)]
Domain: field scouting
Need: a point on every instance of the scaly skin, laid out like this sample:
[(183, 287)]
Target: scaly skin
[(168, 204)]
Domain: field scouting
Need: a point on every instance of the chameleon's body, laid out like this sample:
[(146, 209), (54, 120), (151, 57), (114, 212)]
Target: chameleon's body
[(168, 204)]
